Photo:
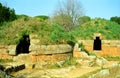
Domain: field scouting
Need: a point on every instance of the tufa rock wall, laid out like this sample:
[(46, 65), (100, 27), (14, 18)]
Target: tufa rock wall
[(45, 54), (109, 47)]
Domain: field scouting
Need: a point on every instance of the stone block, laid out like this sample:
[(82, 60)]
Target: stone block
[(51, 49), (34, 41), (3, 49), (12, 49), (76, 54)]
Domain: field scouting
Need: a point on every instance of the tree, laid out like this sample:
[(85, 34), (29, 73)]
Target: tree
[(6, 14), (115, 19), (67, 14)]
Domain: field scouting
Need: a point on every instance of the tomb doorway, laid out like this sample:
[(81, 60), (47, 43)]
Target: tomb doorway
[(97, 44), (23, 45)]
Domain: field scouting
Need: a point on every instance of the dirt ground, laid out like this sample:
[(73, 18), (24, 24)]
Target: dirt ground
[(60, 72)]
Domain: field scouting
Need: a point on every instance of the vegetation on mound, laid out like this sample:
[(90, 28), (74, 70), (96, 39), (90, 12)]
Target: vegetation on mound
[(48, 33), (108, 29)]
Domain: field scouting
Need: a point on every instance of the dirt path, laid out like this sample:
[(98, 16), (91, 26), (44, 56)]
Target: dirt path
[(61, 72)]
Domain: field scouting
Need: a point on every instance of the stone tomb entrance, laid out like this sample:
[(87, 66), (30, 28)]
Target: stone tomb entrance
[(97, 42), (23, 45)]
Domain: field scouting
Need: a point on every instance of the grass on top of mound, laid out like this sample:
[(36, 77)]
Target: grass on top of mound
[(108, 29), (48, 33)]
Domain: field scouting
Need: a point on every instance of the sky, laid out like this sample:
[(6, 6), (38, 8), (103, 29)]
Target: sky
[(93, 8)]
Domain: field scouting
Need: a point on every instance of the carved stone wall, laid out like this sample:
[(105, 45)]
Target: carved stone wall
[(109, 47)]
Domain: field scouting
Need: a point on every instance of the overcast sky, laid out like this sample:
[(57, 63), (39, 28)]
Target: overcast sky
[(93, 8)]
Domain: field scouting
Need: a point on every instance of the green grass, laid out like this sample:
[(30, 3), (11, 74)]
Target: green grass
[(70, 62), (55, 66), (112, 58), (67, 63), (5, 60), (49, 33), (108, 29)]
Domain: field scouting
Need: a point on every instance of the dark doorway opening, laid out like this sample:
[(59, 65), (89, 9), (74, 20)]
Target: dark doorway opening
[(23, 45), (97, 44)]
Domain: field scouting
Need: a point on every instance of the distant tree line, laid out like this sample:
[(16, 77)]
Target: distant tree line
[(115, 19), (6, 14)]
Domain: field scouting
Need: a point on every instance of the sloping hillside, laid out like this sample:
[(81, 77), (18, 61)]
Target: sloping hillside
[(109, 30), (48, 33)]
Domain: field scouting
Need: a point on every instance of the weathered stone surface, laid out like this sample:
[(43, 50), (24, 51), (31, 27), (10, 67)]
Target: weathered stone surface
[(35, 41), (54, 72), (49, 59), (5, 56), (85, 63), (86, 42), (109, 47), (38, 66), (101, 61), (30, 65), (12, 49), (50, 49), (80, 55), (92, 58), (84, 55), (22, 58), (3, 49), (77, 48), (115, 65), (101, 74)]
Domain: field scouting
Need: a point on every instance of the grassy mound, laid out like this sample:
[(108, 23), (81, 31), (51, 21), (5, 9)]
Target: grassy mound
[(48, 33), (109, 30)]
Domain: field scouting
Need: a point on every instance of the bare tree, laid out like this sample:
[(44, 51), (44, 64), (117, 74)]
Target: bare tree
[(67, 13)]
